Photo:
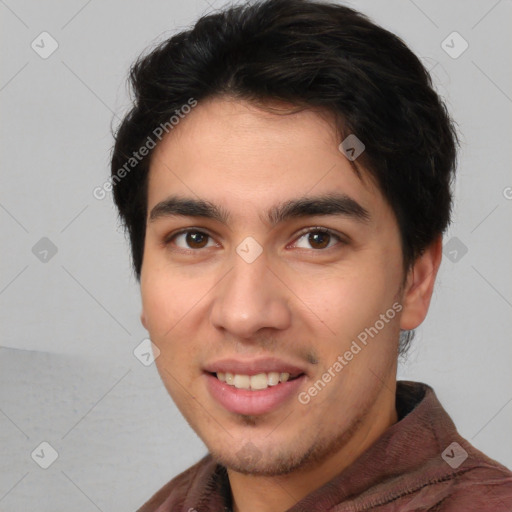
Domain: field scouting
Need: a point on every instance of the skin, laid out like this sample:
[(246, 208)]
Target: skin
[(298, 300)]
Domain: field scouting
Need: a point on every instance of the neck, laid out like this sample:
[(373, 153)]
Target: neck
[(251, 493)]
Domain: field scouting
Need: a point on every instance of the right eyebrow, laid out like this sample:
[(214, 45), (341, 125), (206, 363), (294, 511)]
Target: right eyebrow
[(188, 207)]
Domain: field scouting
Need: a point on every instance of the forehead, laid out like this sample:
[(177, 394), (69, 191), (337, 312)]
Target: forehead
[(233, 153)]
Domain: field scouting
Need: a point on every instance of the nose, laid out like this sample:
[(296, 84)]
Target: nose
[(251, 297)]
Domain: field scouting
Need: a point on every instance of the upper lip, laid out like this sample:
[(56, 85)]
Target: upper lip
[(253, 366)]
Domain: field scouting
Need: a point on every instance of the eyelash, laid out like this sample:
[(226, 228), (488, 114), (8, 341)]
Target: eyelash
[(317, 229)]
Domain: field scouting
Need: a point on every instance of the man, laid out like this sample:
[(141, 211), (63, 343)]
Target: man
[(284, 176)]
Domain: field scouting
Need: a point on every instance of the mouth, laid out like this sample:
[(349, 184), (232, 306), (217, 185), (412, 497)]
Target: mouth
[(254, 386), (254, 395), (256, 382)]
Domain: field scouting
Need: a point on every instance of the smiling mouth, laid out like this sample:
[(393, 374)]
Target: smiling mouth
[(256, 382)]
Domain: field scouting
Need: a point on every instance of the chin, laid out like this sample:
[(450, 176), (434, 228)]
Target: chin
[(257, 464)]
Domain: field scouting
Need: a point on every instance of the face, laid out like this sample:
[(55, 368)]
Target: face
[(245, 279)]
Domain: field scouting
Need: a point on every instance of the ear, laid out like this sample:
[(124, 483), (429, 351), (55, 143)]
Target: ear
[(144, 320), (420, 285)]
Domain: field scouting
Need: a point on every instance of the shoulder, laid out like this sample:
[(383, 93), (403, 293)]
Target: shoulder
[(484, 488), (480, 483)]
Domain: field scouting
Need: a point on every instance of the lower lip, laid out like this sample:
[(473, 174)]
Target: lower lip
[(244, 401)]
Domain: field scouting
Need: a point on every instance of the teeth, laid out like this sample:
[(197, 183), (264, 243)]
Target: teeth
[(255, 382), (242, 381), (259, 381), (273, 378)]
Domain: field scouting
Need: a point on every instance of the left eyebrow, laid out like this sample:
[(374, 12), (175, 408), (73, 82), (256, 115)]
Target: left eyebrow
[(329, 204)]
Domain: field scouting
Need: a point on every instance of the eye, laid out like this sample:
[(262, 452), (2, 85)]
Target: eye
[(190, 239), (318, 238)]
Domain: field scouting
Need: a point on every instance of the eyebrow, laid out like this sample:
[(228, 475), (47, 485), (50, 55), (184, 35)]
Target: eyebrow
[(329, 204)]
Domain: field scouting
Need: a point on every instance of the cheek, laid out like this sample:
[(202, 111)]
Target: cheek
[(164, 301), (346, 303), (173, 303), (166, 314), (349, 310)]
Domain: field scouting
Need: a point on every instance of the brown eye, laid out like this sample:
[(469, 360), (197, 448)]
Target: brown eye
[(190, 239), (318, 239), (196, 239)]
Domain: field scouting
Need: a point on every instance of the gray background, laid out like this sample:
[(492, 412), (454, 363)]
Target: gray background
[(70, 321)]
